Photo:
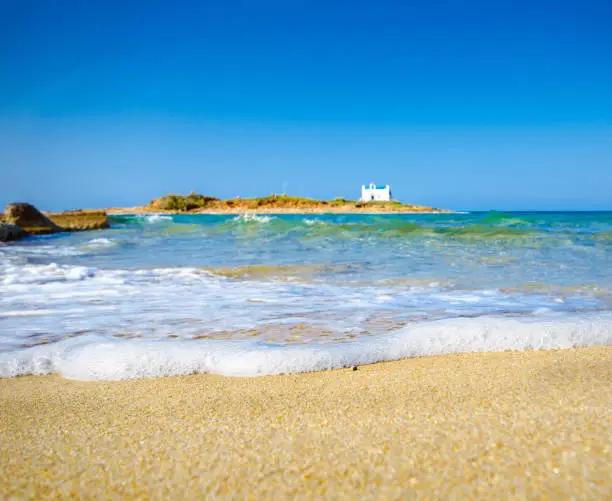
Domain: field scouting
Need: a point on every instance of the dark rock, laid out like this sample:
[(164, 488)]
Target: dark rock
[(29, 219), (10, 232)]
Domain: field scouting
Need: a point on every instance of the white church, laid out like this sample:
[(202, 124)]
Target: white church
[(375, 193)]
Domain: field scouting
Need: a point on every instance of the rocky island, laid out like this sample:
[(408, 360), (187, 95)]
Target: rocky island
[(23, 219), (273, 204)]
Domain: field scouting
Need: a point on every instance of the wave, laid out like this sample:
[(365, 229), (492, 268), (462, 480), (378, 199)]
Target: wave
[(488, 227), (139, 218), (99, 243), (501, 218), (389, 228), (44, 274), (156, 218), (42, 251), (93, 357), (484, 231), (605, 236), (310, 222), (282, 271), (253, 218), (412, 230)]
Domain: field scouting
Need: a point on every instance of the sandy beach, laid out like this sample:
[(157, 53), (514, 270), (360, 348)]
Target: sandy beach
[(520, 425)]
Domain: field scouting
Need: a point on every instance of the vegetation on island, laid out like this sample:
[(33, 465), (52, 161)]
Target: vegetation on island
[(195, 203), (182, 203)]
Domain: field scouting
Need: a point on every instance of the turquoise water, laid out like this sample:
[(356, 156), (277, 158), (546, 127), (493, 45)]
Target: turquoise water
[(321, 281)]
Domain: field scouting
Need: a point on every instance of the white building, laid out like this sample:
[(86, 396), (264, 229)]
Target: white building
[(375, 193)]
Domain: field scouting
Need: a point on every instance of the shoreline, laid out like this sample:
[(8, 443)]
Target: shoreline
[(480, 425)]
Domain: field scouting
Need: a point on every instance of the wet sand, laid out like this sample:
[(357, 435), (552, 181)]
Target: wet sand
[(530, 425)]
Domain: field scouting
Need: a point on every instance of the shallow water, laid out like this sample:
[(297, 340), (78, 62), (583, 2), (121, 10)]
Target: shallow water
[(341, 286)]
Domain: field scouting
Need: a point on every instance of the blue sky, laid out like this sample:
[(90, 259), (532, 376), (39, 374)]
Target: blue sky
[(461, 104)]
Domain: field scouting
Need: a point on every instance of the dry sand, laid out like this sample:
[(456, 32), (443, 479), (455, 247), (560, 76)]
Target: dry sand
[(532, 425)]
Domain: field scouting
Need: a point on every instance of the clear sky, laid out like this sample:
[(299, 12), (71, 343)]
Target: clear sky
[(456, 103)]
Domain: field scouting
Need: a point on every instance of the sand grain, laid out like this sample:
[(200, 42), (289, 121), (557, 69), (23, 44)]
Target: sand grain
[(534, 425)]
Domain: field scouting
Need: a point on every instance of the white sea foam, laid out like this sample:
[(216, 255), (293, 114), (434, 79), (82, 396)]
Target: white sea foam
[(150, 218), (248, 217), (38, 274), (312, 222), (42, 251), (154, 303), (156, 218), (43, 274), (92, 357), (99, 243)]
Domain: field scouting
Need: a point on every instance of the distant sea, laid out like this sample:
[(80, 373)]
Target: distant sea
[(266, 294)]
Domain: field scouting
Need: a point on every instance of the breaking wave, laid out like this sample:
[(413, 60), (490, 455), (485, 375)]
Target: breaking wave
[(490, 226), (93, 357), (253, 218), (139, 218)]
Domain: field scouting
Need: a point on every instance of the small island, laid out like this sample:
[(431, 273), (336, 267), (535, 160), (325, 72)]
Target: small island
[(22, 219), (273, 204)]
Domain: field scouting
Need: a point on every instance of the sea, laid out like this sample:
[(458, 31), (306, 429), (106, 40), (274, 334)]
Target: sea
[(248, 295)]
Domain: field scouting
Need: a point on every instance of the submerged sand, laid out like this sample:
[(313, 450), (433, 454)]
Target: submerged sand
[(531, 425)]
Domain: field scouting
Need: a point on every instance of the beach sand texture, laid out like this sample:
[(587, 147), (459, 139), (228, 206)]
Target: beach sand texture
[(514, 425)]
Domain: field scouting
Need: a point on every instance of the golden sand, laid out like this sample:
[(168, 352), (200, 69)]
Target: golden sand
[(531, 425)]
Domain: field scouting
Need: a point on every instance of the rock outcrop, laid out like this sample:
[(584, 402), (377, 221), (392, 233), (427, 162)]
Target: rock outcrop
[(80, 220), (10, 232), (23, 219), (29, 219)]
